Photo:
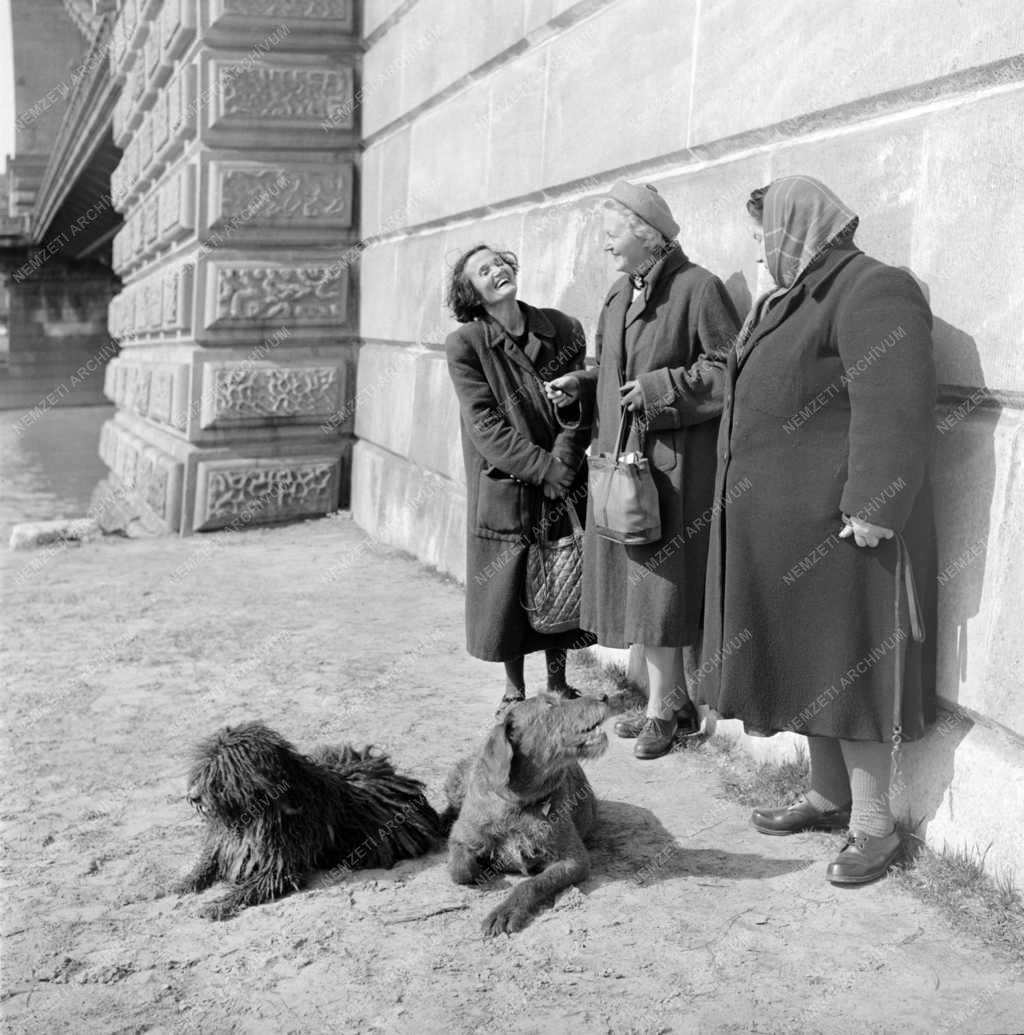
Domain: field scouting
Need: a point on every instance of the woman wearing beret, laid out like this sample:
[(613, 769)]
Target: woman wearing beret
[(662, 338), (821, 576), (517, 456)]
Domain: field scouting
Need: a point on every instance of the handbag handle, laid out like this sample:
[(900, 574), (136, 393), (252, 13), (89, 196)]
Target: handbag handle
[(625, 422), (574, 519)]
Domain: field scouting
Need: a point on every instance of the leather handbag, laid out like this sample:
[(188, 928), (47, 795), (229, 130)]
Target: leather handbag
[(623, 494), (554, 576)]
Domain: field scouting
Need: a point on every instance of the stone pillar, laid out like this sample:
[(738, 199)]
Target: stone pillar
[(237, 319), (57, 341)]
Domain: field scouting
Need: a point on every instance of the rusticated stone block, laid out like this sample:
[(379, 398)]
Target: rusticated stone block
[(246, 294), (244, 392), (441, 181), (385, 391), (404, 506), (241, 491), (177, 28), (177, 204), (972, 164), (245, 196), (732, 94), (978, 466), (647, 107), (436, 444), (282, 101), (325, 22)]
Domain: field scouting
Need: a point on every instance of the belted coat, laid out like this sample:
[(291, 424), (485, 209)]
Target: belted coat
[(673, 339), (829, 411), (510, 436)]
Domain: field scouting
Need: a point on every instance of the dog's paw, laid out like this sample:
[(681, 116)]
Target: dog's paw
[(505, 919)]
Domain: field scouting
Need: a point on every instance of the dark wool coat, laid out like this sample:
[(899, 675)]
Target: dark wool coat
[(673, 340), (509, 438), (830, 411)]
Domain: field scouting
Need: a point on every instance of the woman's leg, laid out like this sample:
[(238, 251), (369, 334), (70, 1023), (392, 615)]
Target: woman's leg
[(870, 766), (824, 806), (830, 784), (556, 671), (666, 681), (515, 680)]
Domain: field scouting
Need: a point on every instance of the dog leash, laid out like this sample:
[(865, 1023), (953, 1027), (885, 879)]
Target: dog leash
[(905, 585)]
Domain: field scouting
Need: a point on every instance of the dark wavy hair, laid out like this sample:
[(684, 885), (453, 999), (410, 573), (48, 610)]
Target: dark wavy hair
[(462, 297), (755, 203)]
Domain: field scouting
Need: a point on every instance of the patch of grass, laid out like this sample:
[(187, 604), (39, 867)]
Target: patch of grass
[(955, 881), (595, 677), (988, 906), (757, 783)]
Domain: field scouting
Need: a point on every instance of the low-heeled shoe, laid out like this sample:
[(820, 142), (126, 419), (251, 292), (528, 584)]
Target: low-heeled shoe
[(801, 815), (630, 726), (863, 858), (655, 738)]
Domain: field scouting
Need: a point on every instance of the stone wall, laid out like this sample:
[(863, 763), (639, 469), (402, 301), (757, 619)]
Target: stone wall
[(239, 132), (505, 122)]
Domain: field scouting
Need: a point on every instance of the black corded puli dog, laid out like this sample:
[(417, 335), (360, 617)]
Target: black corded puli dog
[(525, 806), (273, 815)]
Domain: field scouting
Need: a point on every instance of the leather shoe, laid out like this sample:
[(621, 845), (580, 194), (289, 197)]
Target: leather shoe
[(655, 738), (629, 726), (687, 723), (863, 858), (801, 815)]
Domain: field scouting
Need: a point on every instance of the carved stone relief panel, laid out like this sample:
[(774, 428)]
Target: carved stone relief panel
[(245, 294), (244, 392), (266, 194), (252, 95), (239, 492)]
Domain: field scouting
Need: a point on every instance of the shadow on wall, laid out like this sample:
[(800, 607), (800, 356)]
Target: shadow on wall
[(964, 473)]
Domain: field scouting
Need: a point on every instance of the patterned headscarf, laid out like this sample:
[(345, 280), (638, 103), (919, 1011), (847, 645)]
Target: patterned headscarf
[(801, 218)]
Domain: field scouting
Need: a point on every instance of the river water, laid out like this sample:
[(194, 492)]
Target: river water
[(49, 464)]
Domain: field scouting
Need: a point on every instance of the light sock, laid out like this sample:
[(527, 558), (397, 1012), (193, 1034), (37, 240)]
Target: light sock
[(870, 766)]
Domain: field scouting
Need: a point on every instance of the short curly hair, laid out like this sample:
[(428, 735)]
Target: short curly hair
[(461, 297)]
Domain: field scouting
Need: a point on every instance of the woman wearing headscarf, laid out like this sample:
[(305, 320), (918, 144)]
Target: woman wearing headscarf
[(822, 557), (517, 456), (662, 338)]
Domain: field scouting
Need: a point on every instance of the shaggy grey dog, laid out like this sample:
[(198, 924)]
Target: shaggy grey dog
[(273, 815), (525, 806)]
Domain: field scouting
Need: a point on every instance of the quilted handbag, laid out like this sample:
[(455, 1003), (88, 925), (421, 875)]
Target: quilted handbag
[(623, 494), (554, 575)]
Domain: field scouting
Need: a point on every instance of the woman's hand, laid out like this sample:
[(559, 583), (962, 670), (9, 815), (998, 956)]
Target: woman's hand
[(564, 390), (864, 533), (632, 397), (558, 479)]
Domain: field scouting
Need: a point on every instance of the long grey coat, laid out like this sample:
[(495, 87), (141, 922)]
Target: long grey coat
[(673, 340), (509, 438), (830, 411)]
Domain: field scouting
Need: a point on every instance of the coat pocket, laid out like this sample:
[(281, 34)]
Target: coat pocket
[(663, 448), (499, 505)]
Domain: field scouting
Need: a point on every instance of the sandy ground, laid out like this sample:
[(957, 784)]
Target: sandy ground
[(119, 654)]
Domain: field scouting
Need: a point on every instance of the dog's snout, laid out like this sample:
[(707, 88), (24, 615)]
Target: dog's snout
[(192, 795)]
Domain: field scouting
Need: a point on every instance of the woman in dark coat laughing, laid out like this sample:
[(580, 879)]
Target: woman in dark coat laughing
[(824, 522), (517, 455)]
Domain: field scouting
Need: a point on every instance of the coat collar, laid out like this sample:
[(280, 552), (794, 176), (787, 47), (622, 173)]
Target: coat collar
[(815, 282), (540, 334), (674, 259)]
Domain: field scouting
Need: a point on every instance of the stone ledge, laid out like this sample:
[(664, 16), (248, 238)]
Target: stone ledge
[(30, 534)]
